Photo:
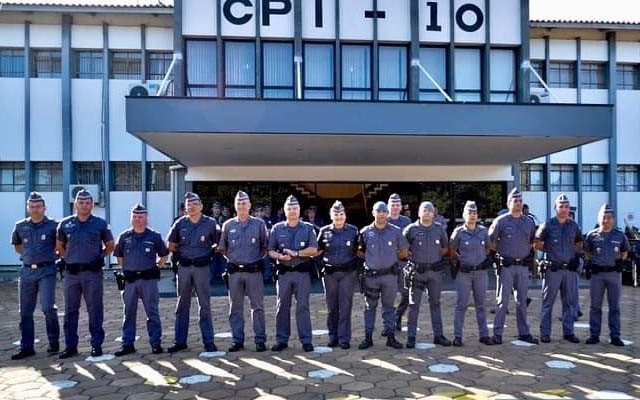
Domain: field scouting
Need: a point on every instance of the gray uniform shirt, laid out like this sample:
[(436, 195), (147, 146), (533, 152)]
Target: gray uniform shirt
[(606, 247), (244, 242), (38, 240), (380, 246), (426, 242), (296, 238), (470, 244), (83, 240), (513, 236), (194, 240), (402, 221), (559, 239), (139, 251), (339, 245)]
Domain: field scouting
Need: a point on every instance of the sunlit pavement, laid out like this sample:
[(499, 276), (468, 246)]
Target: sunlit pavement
[(548, 371)]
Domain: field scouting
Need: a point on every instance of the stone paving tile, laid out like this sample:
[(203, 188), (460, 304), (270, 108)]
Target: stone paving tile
[(380, 372)]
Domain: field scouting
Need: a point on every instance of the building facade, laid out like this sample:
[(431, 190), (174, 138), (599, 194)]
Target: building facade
[(323, 98)]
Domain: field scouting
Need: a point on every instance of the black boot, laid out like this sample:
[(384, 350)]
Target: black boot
[(367, 342), (392, 342)]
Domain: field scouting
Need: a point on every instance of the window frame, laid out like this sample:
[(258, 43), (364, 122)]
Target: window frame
[(565, 184), (228, 86), (332, 88), (17, 169), (533, 81), (55, 172), (593, 75), (158, 186), (588, 173), (19, 72), (132, 170), (77, 74), (135, 76), (403, 90), (526, 171), (478, 91), (625, 170), (557, 67), (446, 80), (188, 85), (53, 62), (367, 90), (266, 87), (511, 94), (633, 70)]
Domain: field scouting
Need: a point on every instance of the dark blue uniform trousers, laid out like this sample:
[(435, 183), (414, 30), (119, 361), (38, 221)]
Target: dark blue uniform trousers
[(296, 284), (34, 282), (513, 277), (565, 281), (339, 288), (190, 278), (612, 282), (87, 284), (248, 284), (465, 282), (432, 281), (383, 288), (147, 290)]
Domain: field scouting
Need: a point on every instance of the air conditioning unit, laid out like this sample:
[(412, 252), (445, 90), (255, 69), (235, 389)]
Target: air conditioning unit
[(539, 95), (144, 89), (93, 189)]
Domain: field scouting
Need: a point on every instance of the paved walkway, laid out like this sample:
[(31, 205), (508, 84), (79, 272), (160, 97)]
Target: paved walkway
[(479, 372)]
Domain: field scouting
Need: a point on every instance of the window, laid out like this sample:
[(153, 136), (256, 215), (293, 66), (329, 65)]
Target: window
[(12, 177), (467, 73), (240, 69), (628, 77), (532, 177), (593, 76), (538, 66), (392, 73), (126, 65), (277, 70), (594, 178), (627, 178), (88, 173), (434, 61), (46, 64), (126, 176), (11, 63), (158, 63), (47, 176), (88, 64), (503, 76), (202, 75), (563, 178), (562, 74), (318, 71), (159, 176), (356, 72)]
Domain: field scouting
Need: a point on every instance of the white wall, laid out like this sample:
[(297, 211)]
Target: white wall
[(122, 145), (396, 25), (11, 35), (124, 37), (536, 49), (13, 206), (12, 117), (505, 27), (537, 202), (591, 202), (86, 36), (159, 38), (46, 120), (627, 202), (45, 36), (628, 52), (352, 28), (628, 122), (86, 114), (328, 28), (160, 211), (199, 17), (561, 49), (121, 204), (594, 50)]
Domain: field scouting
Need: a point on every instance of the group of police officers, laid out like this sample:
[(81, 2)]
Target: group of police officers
[(391, 255)]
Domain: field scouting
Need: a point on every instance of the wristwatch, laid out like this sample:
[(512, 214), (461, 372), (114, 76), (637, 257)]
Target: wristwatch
[(297, 253)]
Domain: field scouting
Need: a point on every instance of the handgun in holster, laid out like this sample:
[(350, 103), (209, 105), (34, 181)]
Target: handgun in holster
[(120, 281), (61, 266), (174, 262), (225, 279), (361, 277), (455, 267), (409, 274)]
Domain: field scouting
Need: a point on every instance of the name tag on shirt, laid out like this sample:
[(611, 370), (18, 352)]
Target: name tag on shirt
[(302, 244)]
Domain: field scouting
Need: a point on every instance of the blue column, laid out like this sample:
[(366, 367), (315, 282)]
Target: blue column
[(67, 166)]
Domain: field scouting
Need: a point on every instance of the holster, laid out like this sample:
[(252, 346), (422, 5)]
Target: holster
[(225, 279), (61, 266), (409, 275), (120, 280), (455, 268)]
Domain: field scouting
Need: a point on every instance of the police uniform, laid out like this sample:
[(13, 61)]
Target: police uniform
[(512, 237), (293, 279), (37, 277), (244, 243), (426, 245), (401, 222), (380, 247), (471, 247), (561, 264), (339, 262), (84, 260), (194, 243), (606, 251), (139, 252)]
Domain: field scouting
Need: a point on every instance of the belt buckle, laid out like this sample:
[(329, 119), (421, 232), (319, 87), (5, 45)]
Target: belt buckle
[(34, 266), (241, 266)]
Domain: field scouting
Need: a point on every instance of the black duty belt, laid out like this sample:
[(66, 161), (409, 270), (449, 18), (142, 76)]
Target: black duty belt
[(506, 262), (80, 267), (424, 267), (302, 267), (595, 268), (471, 268), (379, 272), (250, 267), (132, 276), (196, 262), (331, 268), (39, 265)]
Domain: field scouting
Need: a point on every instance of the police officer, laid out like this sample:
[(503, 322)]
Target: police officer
[(194, 236), (511, 236), (469, 247), (291, 244), (428, 244), (83, 240), (382, 246), (606, 248), (560, 239), (137, 250), (396, 218), (34, 238), (337, 243), (244, 243)]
